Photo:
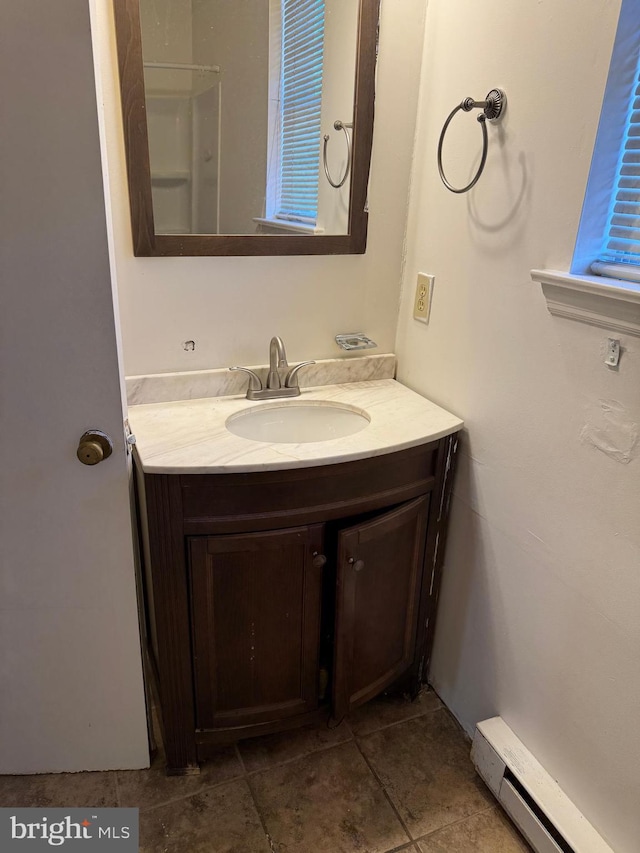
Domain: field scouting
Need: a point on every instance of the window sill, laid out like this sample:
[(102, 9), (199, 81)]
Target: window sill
[(283, 225), (605, 302)]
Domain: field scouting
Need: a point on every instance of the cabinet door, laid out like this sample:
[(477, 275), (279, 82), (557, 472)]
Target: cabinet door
[(377, 598), (255, 606)]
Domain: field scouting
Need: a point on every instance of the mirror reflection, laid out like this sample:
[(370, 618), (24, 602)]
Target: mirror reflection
[(240, 95)]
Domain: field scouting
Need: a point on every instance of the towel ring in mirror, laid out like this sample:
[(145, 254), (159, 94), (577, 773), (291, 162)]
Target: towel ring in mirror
[(345, 126)]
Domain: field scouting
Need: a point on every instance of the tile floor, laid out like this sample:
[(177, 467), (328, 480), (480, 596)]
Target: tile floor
[(395, 776)]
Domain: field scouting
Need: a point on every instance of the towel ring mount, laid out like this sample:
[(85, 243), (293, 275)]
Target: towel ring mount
[(492, 108)]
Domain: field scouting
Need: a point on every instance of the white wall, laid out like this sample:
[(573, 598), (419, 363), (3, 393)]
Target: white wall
[(539, 609), (232, 306), (234, 34), (166, 37), (338, 81), (167, 34)]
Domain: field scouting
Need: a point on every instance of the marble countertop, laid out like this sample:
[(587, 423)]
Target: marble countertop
[(221, 382), (190, 437)]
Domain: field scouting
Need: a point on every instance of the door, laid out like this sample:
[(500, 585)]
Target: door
[(255, 608), (377, 597), (70, 666)]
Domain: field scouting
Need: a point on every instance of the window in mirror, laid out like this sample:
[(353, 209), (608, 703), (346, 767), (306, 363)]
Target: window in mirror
[(295, 101)]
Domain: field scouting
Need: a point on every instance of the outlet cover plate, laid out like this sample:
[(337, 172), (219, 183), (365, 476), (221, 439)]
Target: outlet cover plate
[(422, 301)]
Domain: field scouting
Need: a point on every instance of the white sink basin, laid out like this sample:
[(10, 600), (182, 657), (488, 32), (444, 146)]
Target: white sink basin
[(297, 422)]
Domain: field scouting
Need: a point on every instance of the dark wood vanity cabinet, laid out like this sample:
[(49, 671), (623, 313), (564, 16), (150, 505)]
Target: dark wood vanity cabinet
[(278, 596), (255, 625), (377, 600)]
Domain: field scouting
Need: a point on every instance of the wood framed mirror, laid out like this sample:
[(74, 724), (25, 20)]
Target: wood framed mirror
[(238, 137)]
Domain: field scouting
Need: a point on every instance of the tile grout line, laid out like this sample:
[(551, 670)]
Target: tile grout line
[(449, 715), (499, 809), (201, 790), (326, 748), (254, 799), (263, 823), (405, 720), (244, 774), (384, 791), (410, 845), (455, 823), (240, 758), (204, 790), (399, 722), (248, 774)]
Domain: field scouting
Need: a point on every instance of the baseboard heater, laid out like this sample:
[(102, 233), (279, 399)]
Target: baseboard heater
[(540, 809)]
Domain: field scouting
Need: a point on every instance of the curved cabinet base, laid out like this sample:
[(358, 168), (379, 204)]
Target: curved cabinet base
[(277, 598)]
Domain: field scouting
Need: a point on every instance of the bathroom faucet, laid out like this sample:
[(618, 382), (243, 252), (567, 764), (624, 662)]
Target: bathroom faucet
[(277, 360), (275, 388)]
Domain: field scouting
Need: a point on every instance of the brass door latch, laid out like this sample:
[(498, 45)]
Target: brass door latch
[(94, 446)]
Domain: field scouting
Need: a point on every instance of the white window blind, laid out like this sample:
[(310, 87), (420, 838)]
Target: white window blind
[(302, 57), (620, 254)]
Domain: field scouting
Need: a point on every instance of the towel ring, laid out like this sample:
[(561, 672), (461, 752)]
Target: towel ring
[(338, 125), (492, 108)]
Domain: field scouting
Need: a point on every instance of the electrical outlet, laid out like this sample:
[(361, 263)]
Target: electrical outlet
[(422, 303)]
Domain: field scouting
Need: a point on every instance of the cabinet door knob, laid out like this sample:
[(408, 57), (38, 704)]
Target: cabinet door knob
[(358, 565), (94, 446), (319, 560)]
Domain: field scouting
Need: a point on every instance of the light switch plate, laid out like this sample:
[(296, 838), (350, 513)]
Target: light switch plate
[(424, 292)]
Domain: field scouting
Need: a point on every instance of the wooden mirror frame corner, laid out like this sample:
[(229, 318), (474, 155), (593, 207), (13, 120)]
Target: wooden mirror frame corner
[(146, 243)]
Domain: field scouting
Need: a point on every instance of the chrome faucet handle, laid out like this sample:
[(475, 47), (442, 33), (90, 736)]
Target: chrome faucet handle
[(292, 376), (255, 383)]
